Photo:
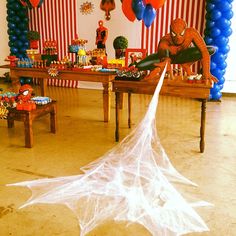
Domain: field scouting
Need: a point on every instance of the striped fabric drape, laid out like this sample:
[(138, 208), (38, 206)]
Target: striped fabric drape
[(55, 20)]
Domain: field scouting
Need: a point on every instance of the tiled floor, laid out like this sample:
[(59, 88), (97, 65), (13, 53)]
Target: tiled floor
[(83, 137)]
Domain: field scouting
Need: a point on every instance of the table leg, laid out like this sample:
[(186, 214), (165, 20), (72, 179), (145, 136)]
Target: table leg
[(202, 128), (28, 130), (117, 94), (129, 110), (106, 101), (53, 119), (10, 122), (121, 101)]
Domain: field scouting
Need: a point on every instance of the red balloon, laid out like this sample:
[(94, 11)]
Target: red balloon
[(127, 10), (23, 3), (155, 3), (34, 3)]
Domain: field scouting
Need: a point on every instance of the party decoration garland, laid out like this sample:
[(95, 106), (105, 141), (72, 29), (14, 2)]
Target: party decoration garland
[(141, 9), (217, 32)]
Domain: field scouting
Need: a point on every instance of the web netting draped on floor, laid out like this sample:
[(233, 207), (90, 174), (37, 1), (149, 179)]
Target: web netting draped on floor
[(132, 182)]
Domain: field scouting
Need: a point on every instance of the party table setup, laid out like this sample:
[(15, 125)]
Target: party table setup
[(135, 181)]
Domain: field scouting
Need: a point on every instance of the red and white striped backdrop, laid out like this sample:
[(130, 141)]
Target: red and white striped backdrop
[(56, 20)]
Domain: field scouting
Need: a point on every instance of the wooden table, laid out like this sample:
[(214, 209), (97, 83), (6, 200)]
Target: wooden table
[(176, 87), (91, 76), (29, 116)]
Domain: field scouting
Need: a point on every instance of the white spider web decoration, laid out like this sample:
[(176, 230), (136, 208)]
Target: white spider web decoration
[(131, 182)]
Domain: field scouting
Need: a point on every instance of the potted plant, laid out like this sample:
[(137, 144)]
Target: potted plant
[(33, 37), (120, 44)]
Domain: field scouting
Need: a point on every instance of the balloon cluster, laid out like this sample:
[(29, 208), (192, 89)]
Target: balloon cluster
[(141, 9), (31, 3), (17, 19), (217, 32)]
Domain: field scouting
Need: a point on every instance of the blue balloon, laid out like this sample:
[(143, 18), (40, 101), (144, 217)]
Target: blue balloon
[(221, 40), (218, 73), (215, 14), (210, 24), (213, 65), (16, 19), (228, 14), (18, 31), (215, 88), (16, 6), (18, 44), (22, 26), (26, 44), (223, 23), (221, 86), (25, 20), (208, 40), (225, 49), (218, 58), (149, 15), (22, 14), (138, 8), (210, 6), (222, 65), (215, 32), (221, 80), (14, 50), (223, 72), (10, 12), (227, 32), (23, 38), (216, 96), (11, 32), (11, 26), (12, 37), (11, 44), (224, 6), (23, 49)]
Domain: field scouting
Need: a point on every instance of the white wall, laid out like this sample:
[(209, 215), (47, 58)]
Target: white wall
[(117, 25), (230, 75), (4, 49)]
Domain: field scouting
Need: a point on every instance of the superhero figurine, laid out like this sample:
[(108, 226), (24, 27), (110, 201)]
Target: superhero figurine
[(174, 44), (24, 101), (101, 35)]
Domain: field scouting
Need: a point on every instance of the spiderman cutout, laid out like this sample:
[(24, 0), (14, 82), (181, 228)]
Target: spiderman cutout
[(179, 39)]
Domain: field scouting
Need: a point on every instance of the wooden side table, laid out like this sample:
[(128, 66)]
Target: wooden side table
[(178, 88), (29, 116)]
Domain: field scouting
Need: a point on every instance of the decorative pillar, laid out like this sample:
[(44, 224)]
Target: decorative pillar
[(17, 18), (217, 32)]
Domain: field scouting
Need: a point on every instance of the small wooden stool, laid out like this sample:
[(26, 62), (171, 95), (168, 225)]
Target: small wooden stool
[(28, 116)]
